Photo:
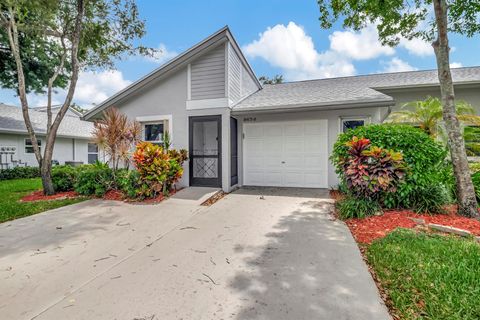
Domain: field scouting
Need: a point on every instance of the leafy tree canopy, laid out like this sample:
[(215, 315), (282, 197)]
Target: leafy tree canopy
[(45, 30), (396, 18), (275, 80)]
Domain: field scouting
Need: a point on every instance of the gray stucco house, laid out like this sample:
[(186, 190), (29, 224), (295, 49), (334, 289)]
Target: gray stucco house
[(73, 141), (240, 133)]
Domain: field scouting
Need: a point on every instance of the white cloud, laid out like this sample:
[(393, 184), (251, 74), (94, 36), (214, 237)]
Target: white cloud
[(456, 65), (162, 55), (291, 49), (397, 65), (417, 47), (362, 45), (92, 88)]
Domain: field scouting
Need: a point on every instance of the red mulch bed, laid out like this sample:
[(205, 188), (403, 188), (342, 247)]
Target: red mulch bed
[(368, 229), (39, 196), (113, 195)]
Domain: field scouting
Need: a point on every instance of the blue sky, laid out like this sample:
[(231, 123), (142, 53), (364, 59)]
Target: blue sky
[(278, 37)]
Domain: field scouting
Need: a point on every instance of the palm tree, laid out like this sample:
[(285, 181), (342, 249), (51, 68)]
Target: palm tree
[(427, 114)]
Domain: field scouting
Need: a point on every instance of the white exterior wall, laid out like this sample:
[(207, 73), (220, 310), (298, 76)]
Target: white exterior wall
[(63, 149), (374, 114)]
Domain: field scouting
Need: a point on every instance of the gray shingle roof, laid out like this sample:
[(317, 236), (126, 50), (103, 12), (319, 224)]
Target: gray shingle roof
[(346, 90), (11, 120)]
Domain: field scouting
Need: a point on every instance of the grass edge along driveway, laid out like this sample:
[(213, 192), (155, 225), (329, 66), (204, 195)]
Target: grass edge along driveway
[(428, 276), (11, 191)]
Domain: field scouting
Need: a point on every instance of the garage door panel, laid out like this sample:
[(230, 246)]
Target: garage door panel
[(293, 144), (253, 131), (273, 178), (315, 129), (272, 130), (315, 144), (290, 154), (318, 161), (294, 130), (254, 147), (255, 178), (255, 163)]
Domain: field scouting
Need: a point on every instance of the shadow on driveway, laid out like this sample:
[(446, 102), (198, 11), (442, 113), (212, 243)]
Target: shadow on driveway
[(309, 269)]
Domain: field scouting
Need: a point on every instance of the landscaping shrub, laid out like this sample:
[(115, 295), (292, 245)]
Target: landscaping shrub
[(430, 198), (128, 181), (158, 169), (352, 207), (19, 173), (476, 184), (422, 155), (94, 179), (64, 178), (369, 171)]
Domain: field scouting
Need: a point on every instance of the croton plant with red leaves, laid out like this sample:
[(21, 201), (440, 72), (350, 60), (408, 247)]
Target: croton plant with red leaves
[(370, 171), (158, 168)]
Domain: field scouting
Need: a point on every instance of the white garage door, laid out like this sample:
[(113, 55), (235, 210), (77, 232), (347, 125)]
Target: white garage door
[(286, 154)]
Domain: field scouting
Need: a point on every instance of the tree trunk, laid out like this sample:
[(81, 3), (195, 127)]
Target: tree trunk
[(47, 183), (465, 192)]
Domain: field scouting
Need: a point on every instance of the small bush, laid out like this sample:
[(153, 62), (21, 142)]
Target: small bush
[(19, 173), (94, 179), (158, 169), (351, 207), (422, 155), (64, 178), (128, 181), (369, 171), (430, 198)]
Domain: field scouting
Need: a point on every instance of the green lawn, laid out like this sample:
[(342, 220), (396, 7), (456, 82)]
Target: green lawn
[(429, 276), (12, 190)]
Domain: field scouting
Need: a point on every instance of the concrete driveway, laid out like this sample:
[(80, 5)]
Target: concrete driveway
[(258, 253)]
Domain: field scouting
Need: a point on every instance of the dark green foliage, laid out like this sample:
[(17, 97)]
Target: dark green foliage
[(428, 276), (351, 207), (278, 78), (19, 173), (476, 184), (430, 198), (128, 181), (64, 178), (94, 179), (423, 156)]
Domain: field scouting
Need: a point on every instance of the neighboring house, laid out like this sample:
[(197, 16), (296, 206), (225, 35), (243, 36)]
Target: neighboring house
[(73, 141), (238, 133)]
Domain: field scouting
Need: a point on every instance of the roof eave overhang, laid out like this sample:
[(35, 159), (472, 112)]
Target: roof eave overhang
[(41, 134), (315, 107), (425, 86)]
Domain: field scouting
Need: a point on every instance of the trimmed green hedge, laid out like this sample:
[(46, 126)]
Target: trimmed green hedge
[(19, 173)]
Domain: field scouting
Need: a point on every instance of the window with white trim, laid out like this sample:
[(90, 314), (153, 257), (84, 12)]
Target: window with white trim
[(92, 152), (29, 145), (155, 131), (352, 123)]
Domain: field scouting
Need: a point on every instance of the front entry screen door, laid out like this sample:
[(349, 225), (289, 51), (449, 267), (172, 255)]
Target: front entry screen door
[(205, 151)]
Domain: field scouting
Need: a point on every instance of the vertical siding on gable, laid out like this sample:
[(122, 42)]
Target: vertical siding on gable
[(240, 83), (208, 75), (234, 76), (248, 84)]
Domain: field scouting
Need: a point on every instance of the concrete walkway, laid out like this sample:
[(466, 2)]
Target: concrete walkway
[(255, 254)]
